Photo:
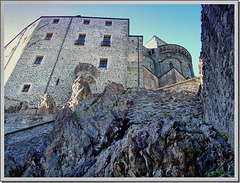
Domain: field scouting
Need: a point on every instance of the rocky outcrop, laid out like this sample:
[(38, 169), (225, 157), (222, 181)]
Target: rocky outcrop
[(141, 133), (80, 90), (218, 66), (15, 106), (47, 105)]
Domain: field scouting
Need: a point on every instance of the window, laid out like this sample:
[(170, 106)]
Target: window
[(86, 22), (108, 23), (81, 39), (103, 62), (106, 40), (55, 21), (26, 88), (49, 36), (38, 60), (190, 70), (170, 65), (57, 82)]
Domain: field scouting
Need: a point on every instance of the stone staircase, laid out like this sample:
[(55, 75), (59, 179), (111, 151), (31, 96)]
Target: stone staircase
[(151, 105)]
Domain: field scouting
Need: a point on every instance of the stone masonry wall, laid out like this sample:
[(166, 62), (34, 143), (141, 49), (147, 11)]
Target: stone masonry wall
[(149, 63), (171, 77), (150, 80), (191, 85), (36, 75), (135, 55), (71, 55), (14, 49), (179, 61), (218, 66)]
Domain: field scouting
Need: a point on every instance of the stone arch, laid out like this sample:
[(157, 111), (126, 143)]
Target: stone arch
[(87, 68), (89, 72)]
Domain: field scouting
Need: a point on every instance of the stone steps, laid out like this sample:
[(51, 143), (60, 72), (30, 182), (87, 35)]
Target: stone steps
[(150, 104)]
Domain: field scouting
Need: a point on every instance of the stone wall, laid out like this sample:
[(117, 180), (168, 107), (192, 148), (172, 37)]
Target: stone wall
[(150, 80), (191, 85), (218, 66), (61, 57), (149, 63), (14, 49), (179, 61), (171, 77), (135, 62), (16, 122)]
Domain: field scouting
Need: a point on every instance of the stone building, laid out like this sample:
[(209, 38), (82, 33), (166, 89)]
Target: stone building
[(48, 54), (165, 64)]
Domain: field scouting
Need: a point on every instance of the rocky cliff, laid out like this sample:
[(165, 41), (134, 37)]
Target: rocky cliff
[(133, 133)]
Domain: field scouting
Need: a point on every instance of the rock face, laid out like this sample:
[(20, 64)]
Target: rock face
[(47, 105), (218, 67), (15, 106), (141, 133), (80, 90)]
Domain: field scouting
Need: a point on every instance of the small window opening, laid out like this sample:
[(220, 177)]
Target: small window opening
[(38, 60), (170, 65), (103, 62), (55, 21), (26, 88), (190, 70), (106, 40), (108, 23), (81, 39), (86, 22), (57, 82), (49, 36)]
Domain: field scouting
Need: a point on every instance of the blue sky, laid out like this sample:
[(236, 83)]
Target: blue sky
[(174, 23)]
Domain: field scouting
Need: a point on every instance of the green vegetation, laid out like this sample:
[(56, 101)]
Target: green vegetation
[(175, 100), (76, 117), (199, 128), (109, 153), (166, 114), (218, 172), (199, 150), (208, 123), (223, 135)]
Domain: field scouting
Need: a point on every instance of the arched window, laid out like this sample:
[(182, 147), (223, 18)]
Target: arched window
[(170, 65)]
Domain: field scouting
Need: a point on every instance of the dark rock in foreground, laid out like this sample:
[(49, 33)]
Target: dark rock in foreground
[(141, 133)]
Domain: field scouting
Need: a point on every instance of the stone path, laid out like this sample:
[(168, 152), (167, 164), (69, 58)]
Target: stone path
[(150, 105)]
